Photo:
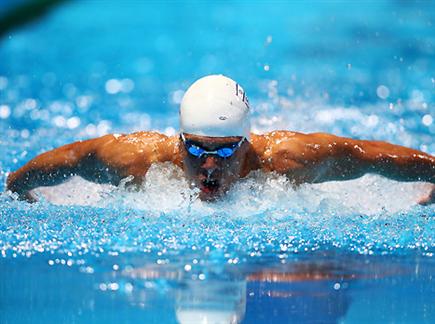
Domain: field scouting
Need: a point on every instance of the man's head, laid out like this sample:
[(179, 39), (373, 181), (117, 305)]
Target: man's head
[(214, 130)]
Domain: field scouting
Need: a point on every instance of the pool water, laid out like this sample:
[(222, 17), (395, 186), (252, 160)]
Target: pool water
[(339, 252)]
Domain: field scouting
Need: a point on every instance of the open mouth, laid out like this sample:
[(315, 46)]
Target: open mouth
[(209, 186)]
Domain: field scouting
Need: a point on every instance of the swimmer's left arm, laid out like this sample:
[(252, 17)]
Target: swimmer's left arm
[(323, 157)]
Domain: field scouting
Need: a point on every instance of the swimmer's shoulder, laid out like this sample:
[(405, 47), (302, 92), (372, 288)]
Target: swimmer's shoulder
[(273, 139), (135, 152), (285, 137), (134, 141), (282, 145), (137, 138)]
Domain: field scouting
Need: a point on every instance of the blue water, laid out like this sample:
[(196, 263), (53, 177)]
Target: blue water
[(350, 252)]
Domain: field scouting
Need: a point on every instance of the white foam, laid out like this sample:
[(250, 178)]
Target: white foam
[(74, 191), (165, 189)]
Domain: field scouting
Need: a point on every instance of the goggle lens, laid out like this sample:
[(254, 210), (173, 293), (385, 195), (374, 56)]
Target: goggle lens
[(195, 150), (223, 152)]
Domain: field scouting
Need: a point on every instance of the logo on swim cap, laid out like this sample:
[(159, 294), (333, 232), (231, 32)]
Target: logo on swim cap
[(215, 106)]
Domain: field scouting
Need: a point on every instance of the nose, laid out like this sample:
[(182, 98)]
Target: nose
[(210, 163)]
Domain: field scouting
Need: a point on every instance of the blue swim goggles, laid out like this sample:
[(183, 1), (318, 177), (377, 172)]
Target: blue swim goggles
[(225, 151)]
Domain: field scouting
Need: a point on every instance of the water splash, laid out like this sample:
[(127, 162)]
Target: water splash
[(166, 190), (261, 215)]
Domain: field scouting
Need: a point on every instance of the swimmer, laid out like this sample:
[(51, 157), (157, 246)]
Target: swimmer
[(215, 148)]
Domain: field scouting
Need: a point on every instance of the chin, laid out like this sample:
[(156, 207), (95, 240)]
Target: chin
[(207, 194), (210, 193)]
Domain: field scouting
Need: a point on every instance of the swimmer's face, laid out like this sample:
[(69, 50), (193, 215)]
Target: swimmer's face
[(212, 174)]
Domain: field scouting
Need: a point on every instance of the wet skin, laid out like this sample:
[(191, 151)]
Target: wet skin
[(311, 158)]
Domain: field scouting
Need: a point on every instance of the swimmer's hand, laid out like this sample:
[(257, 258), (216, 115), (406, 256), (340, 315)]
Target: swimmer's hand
[(24, 196), (17, 190), (429, 198)]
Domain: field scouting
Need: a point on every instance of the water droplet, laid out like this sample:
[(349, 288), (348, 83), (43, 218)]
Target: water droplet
[(113, 86), (427, 120), (5, 111), (73, 122), (127, 85), (383, 92), (177, 96)]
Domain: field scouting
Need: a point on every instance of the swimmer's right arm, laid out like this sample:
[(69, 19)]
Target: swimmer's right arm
[(106, 159), (55, 166)]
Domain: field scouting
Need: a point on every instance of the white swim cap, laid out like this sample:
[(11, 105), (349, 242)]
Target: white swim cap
[(215, 106)]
